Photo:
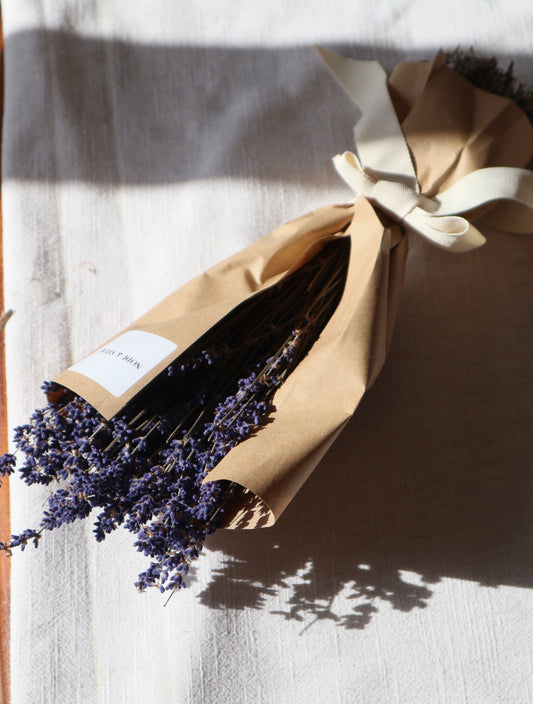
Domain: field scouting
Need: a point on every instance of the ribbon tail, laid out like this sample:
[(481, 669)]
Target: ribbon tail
[(452, 233), (379, 138), (506, 191)]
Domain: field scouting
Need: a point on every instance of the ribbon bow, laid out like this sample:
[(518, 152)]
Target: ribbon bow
[(384, 173)]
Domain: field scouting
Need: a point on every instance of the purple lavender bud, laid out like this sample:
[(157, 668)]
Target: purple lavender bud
[(145, 467), (7, 465)]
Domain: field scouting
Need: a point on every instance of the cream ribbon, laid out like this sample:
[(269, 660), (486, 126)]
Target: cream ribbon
[(384, 173)]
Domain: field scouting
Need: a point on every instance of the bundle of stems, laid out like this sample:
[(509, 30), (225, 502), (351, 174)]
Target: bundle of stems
[(486, 73), (147, 468)]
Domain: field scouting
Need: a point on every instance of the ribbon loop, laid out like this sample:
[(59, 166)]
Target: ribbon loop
[(384, 172)]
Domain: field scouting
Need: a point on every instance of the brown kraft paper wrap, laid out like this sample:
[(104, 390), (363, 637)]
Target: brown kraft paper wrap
[(452, 129)]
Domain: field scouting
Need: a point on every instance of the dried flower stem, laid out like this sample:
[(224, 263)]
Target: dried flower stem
[(485, 72)]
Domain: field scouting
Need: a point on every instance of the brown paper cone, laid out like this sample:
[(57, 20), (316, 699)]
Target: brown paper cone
[(452, 128)]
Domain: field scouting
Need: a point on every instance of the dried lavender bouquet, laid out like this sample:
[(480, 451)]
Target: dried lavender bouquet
[(147, 467), (250, 405)]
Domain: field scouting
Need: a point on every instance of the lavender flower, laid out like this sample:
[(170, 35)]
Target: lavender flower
[(146, 468)]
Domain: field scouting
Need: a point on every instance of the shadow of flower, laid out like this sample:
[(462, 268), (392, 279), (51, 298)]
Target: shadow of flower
[(431, 478)]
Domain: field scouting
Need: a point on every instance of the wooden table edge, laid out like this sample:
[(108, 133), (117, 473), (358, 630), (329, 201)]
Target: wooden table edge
[(4, 489)]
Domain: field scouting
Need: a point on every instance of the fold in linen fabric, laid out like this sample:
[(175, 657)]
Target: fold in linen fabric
[(141, 148)]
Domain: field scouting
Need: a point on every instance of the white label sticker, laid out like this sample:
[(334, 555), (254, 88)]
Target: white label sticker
[(120, 364)]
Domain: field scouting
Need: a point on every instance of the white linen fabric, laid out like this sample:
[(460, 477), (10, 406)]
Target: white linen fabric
[(143, 143)]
